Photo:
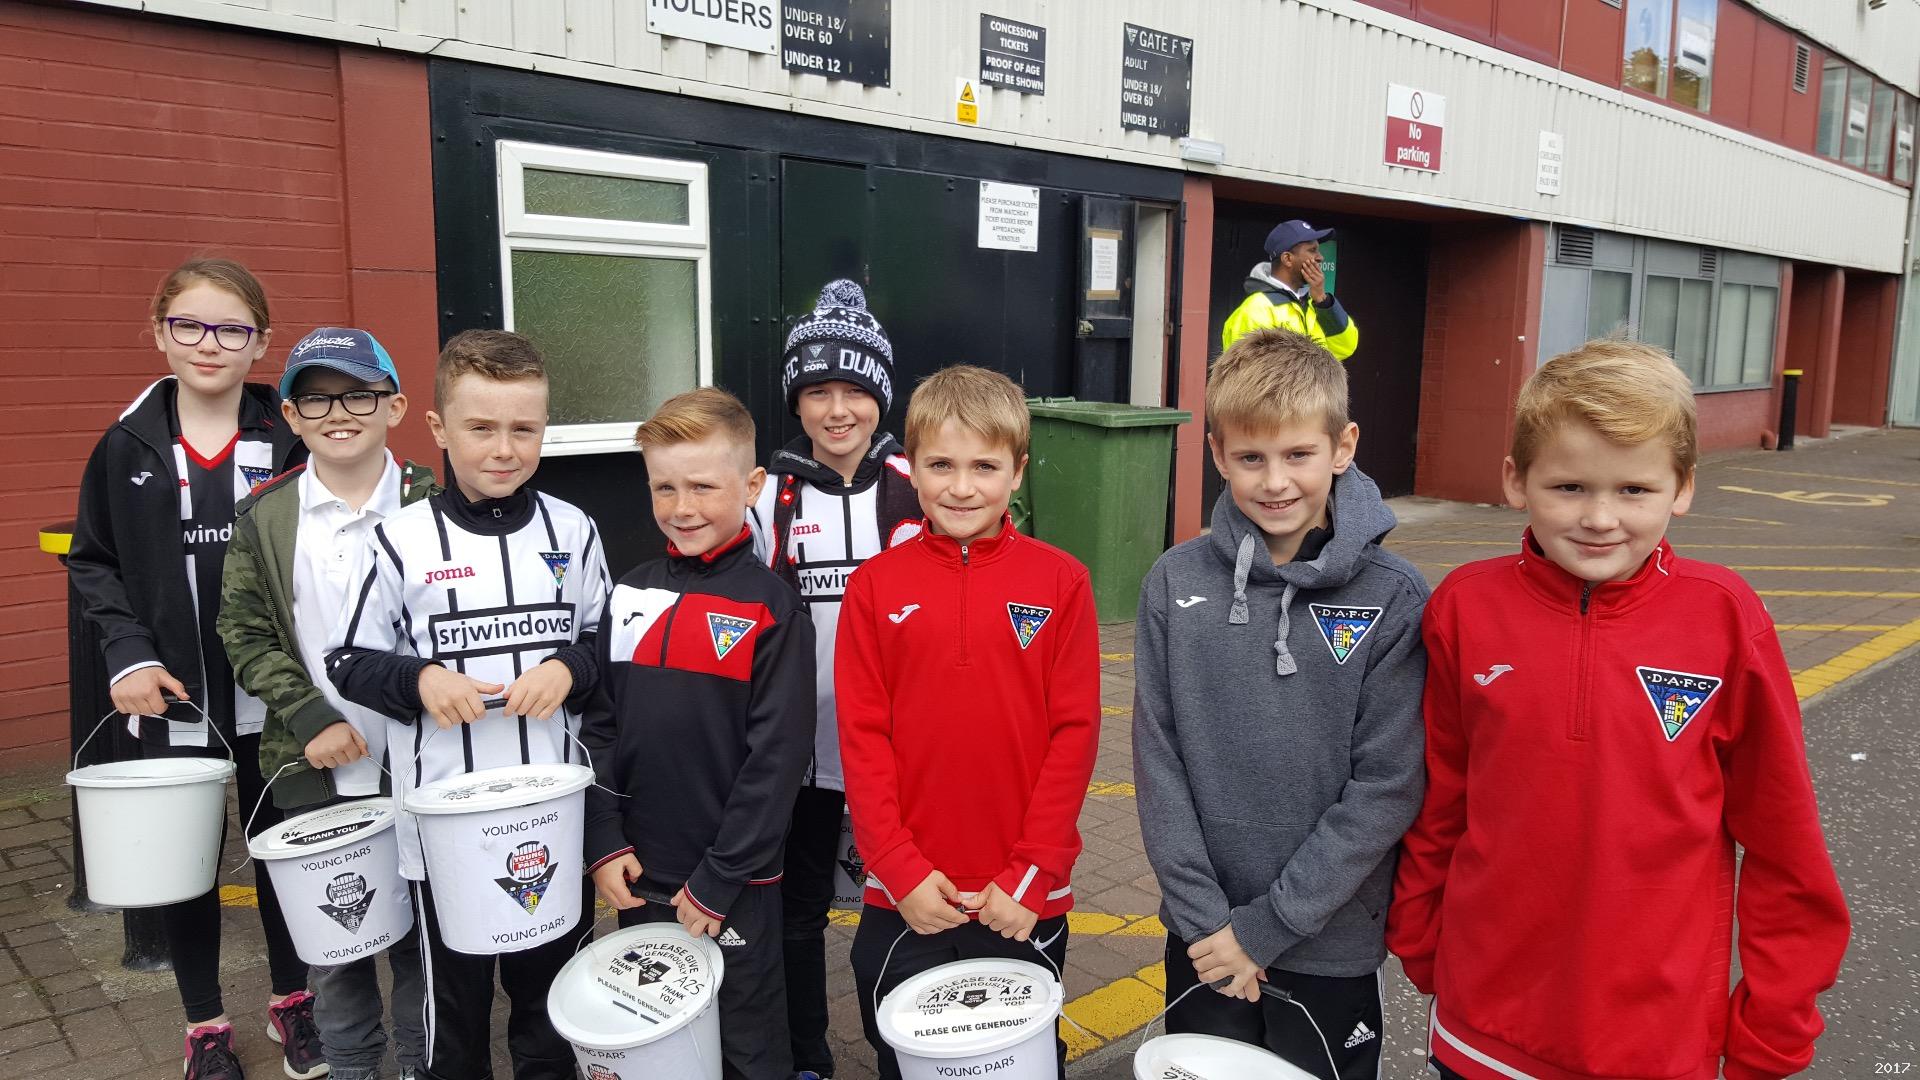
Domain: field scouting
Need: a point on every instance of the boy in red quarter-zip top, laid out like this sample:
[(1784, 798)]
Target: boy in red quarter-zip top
[(967, 670), (1617, 718)]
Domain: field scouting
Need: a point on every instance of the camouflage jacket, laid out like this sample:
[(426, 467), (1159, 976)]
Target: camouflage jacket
[(256, 625)]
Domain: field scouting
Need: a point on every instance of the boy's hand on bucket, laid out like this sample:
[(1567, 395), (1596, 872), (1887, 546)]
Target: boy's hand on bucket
[(932, 905), (540, 691), (1001, 913), (337, 744), (138, 693), (1219, 956), (614, 881), (697, 922), (452, 698)]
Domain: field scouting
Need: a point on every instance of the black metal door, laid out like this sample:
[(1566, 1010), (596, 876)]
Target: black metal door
[(1103, 338)]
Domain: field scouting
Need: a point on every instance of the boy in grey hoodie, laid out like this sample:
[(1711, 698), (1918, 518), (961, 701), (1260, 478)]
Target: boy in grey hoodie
[(1277, 734)]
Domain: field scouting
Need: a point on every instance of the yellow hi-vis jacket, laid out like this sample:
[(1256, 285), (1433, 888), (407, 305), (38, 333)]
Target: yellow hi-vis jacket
[(1270, 303)]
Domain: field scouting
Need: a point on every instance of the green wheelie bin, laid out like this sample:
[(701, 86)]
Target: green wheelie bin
[(1096, 486)]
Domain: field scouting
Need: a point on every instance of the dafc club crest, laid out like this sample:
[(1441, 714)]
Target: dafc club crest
[(254, 475), (350, 898), (529, 869), (597, 1071), (1677, 697), (727, 631), (1344, 628), (647, 970), (1027, 621), (557, 563), (854, 865)]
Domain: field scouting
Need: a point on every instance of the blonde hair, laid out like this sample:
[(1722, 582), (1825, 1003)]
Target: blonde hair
[(696, 415), (984, 402), (1629, 392), (1273, 377), (500, 355), (221, 273)]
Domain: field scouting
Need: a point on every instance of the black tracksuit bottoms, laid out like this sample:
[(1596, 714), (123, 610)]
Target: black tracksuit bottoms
[(753, 993), (1346, 1012)]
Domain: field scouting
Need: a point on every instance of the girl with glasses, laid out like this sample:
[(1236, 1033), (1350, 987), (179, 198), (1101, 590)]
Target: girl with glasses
[(156, 512)]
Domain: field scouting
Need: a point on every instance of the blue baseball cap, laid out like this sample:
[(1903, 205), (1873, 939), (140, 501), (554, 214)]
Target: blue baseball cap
[(353, 353), (1289, 233)]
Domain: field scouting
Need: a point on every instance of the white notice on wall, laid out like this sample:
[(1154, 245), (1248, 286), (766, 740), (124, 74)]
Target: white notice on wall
[(1009, 217), (1104, 273), (753, 25), (1546, 178)]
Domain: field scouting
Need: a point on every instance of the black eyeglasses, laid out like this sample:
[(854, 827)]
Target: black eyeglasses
[(356, 402), (230, 336)]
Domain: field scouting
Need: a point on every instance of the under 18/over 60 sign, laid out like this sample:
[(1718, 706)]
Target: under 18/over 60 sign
[(1414, 122)]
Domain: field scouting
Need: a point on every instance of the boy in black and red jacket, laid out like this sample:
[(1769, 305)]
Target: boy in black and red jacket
[(968, 676), (703, 719), (1605, 721)]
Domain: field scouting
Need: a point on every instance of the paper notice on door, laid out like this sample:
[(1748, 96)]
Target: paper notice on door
[(1103, 276), (1009, 217)]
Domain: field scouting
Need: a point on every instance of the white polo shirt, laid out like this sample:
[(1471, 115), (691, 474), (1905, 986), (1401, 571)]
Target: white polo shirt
[(329, 562)]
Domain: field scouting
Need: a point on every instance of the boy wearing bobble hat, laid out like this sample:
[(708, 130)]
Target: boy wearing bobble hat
[(839, 494)]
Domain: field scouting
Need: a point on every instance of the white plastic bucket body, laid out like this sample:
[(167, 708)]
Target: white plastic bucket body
[(988, 1018), (151, 828), (503, 851), (1209, 1057), (640, 1004), (849, 870), (337, 873)]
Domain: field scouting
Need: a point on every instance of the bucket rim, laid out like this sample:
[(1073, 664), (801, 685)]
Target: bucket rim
[(166, 772), (1252, 1054), (1000, 1040), (572, 778), (574, 971), (273, 844)]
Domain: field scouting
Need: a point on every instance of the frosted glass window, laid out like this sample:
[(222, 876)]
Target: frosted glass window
[(614, 198), (1880, 133), (1729, 345), (1692, 329), (620, 332), (1859, 108), (1903, 141), (1607, 302), (1693, 54), (1660, 311), (1833, 107), (1763, 307)]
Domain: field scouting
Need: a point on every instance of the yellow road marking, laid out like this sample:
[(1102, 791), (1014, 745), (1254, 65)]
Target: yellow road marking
[(1116, 656), (239, 896), (1110, 787), (1852, 499), (1115, 710), (1115, 1010), (1855, 660), (1861, 593), (1835, 627), (1831, 569), (1823, 476)]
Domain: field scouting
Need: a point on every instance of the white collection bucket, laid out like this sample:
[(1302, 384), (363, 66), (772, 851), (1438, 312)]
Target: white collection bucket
[(337, 872), (503, 850), (151, 827), (639, 1004), (993, 1018), (849, 870), (1209, 1057)]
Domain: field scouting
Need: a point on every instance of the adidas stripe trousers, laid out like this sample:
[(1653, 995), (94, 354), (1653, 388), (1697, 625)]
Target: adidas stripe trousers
[(459, 995), (753, 996), (1346, 1009)]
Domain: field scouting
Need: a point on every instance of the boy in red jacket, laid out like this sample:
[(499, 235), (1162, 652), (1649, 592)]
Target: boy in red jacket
[(968, 676), (1629, 719)]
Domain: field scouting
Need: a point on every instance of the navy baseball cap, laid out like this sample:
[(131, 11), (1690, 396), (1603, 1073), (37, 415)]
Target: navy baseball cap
[(1288, 233), (353, 353)]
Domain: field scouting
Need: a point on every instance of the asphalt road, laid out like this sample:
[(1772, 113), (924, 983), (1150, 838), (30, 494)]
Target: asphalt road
[(1862, 746)]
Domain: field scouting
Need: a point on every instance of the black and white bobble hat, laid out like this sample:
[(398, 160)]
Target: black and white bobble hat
[(840, 340)]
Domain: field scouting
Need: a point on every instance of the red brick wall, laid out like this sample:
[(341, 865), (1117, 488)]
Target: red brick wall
[(122, 159), (1734, 420), (1190, 458), (1865, 363), (1483, 314)]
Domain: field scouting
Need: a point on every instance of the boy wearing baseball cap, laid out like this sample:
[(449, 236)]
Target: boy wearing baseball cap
[(1290, 291), (840, 494), (291, 566)]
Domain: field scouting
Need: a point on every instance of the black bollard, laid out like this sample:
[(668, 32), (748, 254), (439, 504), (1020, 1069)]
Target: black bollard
[(87, 701), (1789, 405)]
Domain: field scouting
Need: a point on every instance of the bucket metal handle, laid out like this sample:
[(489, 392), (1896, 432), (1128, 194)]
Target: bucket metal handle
[(171, 700), (491, 704)]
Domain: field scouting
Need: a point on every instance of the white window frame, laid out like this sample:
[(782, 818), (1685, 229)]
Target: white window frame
[(522, 231)]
